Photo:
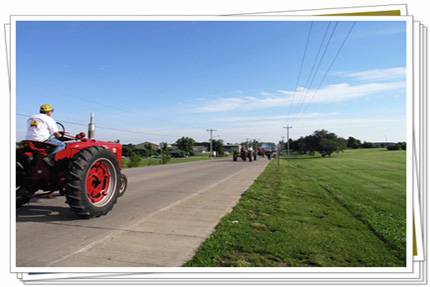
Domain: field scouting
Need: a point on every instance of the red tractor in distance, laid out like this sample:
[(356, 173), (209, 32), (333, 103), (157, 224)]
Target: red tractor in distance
[(267, 149), (244, 154), (87, 172)]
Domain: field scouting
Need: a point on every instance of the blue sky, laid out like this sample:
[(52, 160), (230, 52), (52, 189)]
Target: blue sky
[(161, 80)]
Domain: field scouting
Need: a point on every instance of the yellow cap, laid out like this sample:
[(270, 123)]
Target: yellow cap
[(46, 108)]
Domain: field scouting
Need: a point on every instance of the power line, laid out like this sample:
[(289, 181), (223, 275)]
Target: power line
[(301, 65), (331, 64), (107, 128), (98, 103), (307, 87), (314, 62)]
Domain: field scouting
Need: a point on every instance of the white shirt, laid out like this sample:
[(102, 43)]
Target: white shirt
[(40, 127)]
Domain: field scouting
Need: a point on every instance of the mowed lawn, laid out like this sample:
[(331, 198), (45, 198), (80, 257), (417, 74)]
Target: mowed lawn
[(348, 210)]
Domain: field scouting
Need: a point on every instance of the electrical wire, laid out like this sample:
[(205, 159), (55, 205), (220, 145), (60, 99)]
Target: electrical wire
[(329, 68), (106, 128), (308, 85), (301, 66), (98, 103)]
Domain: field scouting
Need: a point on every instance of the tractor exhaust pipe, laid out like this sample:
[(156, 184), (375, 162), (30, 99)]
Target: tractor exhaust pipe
[(91, 128)]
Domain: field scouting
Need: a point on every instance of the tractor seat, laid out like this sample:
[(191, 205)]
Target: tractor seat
[(37, 145)]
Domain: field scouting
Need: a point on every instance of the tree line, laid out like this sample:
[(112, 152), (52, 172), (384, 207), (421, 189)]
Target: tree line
[(184, 144), (327, 143), (320, 141)]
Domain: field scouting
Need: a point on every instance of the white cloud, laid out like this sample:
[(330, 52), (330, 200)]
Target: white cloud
[(271, 118), (376, 75), (328, 94)]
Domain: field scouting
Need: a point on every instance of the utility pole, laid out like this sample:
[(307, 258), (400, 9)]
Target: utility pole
[(211, 131), (288, 139), (161, 151)]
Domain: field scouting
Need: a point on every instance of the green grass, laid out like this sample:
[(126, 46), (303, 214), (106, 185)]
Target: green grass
[(348, 210)]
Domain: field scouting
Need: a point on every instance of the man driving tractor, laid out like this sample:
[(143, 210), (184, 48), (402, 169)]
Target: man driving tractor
[(42, 127)]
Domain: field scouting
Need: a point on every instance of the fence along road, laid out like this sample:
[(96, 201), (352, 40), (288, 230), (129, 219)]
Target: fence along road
[(164, 216)]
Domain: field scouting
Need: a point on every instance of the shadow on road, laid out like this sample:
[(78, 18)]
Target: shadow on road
[(29, 213)]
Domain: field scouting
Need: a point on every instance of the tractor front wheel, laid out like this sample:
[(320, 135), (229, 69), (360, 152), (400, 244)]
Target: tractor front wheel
[(123, 186), (235, 156), (93, 181)]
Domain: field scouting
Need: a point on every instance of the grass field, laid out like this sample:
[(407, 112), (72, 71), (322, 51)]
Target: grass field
[(348, 210)]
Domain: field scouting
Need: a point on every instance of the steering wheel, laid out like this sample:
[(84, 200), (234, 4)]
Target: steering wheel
[(63, 130)]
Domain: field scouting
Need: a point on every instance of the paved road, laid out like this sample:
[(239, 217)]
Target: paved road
[(166, 213)]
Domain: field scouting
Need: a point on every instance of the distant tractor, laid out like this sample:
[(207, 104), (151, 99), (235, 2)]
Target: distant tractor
[(87, 172), (267, 149), (244, 154)]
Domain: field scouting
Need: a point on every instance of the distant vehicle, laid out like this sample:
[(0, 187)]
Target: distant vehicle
[(267, 149), (244, 154)]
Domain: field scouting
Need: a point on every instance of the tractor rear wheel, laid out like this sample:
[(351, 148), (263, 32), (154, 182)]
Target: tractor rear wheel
[(93, 181), (23, 194)]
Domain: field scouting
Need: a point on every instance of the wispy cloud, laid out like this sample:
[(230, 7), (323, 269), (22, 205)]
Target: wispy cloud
[(283, 117), (283, 98), (387, 31), (376, 75)]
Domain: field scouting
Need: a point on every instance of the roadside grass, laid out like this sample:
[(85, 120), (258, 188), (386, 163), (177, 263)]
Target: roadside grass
[(348, 210)]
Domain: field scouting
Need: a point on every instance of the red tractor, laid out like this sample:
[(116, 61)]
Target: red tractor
[(244, 154), (87, 172)]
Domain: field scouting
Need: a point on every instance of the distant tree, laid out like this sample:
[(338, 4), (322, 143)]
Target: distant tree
[(293, 145), (327, 147), (402, 145), (393, 147), (300, 145), (186, 144), (320, 141), (355, 145), (134, 160), (147, 150), (128, 149), (325, 143), (218, 146), (368, 145), (311, 144), (350, 142), (165, 153), (341, 145)]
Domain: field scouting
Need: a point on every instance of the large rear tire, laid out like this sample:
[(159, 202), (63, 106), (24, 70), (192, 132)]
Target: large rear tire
[(93, 181), (23, 194)]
